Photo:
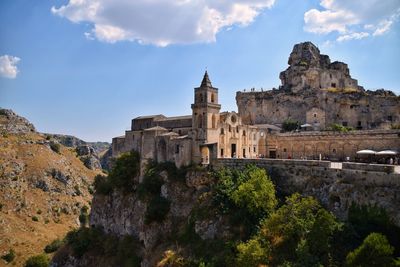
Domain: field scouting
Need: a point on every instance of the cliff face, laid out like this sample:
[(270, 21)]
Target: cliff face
[(43, 186), (308, 68), (312, 84)]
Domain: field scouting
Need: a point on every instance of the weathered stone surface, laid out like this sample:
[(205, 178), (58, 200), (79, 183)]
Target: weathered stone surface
[(14, 124)]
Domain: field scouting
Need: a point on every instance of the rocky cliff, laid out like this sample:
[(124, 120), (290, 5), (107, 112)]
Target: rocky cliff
[(93, 154), (318, 92), (43, 186)]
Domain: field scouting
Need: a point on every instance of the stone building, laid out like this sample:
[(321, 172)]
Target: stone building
[(207, 133), (314, 92), (310, 83)]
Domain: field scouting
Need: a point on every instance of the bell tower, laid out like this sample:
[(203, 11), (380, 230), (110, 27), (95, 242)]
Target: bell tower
[(205, 117), (205, 112)]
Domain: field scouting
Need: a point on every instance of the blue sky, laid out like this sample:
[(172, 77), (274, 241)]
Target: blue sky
[(87, 67)]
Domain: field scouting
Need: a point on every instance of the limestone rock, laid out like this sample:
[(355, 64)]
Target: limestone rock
[(10, 122)]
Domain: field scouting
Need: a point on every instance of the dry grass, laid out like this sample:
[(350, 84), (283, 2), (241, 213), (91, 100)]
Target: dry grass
[(57, 212)]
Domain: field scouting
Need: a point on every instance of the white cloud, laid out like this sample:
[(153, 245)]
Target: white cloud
[(161, 22), (347, 18), (353, 36), (8, 66)]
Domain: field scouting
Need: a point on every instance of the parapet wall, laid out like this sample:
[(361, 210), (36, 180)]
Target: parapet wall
[(335, 188)]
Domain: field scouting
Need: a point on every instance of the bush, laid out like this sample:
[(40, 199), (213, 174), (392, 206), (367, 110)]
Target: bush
[(374, 251), (156, 210), (37, 261), (290, 125), (35, 219), (10, 256), (121, 250), (54, 246), (151, 185), (125, 168), (55, 146), (339, 128)]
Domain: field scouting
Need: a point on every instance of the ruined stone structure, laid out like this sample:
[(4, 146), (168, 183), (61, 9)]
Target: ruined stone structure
[(319, 93), (313, 92)]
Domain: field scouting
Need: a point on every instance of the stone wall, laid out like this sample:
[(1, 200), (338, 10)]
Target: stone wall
[(360, 110), (330, 144), (335, 188)]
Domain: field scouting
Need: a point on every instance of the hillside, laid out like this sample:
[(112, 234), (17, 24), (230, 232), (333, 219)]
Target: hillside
[(197, 216), (43, 186)]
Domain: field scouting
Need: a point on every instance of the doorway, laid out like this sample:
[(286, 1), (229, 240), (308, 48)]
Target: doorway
[(233, 150)]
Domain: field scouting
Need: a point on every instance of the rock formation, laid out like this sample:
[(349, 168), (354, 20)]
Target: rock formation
[(320, 93), (43, 186)]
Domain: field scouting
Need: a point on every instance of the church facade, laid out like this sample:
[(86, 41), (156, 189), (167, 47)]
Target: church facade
[(207, 133)]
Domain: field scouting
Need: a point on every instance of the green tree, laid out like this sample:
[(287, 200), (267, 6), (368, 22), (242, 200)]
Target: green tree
[(300, 232), (257, 193), (252, 253), (37, 261), (374, 251), (290, 125), (125, 169)]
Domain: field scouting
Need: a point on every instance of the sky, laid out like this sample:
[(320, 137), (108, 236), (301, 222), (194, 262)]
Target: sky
[(87, 67)]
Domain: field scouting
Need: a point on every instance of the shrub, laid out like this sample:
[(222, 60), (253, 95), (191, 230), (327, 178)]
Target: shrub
[(10, 256), (125, 168), (151, 185), (37, 261), (374, 251), (35, 219), (290, 125), (339, 128), (156, 210), (102, 185), (54, 246), (55, 146)]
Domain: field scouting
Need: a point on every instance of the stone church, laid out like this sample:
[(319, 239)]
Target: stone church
[(207, 133), (314, 92)]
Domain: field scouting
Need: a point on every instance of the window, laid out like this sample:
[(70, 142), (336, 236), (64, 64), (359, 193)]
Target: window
[(359, 123), (334, 151), (344, 123), (237, 129), (212, 98), (222, 131), (333, 85), (244, 133), (284, 150), (390, 118), (201, 98), (230, 128), (177, 149), (315, 115), (222, 152), (213, 121), (200, 121), (254, 149)]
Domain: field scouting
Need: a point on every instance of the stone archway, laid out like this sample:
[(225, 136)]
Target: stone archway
[(205, 155)]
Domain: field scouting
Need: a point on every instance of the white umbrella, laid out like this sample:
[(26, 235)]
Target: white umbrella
[(306, 125), (387, 152), (366, 152)]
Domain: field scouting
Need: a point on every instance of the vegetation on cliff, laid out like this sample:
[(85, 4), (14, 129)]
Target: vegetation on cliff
[(236, 219)]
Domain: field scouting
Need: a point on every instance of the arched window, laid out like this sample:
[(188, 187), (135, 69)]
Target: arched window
[(213, 121), (212, 98), (201, 98), (200, 121)]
